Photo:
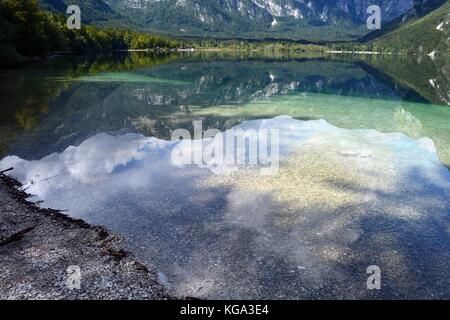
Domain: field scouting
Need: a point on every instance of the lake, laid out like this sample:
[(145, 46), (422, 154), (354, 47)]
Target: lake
[(359, 150)]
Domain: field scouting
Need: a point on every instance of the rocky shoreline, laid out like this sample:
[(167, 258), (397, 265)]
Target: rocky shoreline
[(39, 248)]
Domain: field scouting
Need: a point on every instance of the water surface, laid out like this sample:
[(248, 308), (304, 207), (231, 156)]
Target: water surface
[(362, 180)]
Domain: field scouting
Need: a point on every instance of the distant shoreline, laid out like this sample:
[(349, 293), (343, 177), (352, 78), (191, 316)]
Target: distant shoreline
[(363, 52)]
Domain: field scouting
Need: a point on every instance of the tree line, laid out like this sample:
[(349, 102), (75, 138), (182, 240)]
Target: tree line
[(27, 30)]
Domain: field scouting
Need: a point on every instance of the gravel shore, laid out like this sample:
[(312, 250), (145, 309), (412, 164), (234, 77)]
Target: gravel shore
[(39, 248)]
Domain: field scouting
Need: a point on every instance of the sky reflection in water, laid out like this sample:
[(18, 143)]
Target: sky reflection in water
[(227, 235)]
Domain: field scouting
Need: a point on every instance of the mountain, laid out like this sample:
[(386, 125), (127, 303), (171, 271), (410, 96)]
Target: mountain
[(429, 34), (314, 20), (92, 10), (419, 9)]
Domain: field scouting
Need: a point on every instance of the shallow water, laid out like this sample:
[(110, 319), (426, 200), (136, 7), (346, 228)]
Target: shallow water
[(362, 177)]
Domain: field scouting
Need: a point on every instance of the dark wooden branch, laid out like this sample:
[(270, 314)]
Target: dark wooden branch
[(16, 236), (6, 170)]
